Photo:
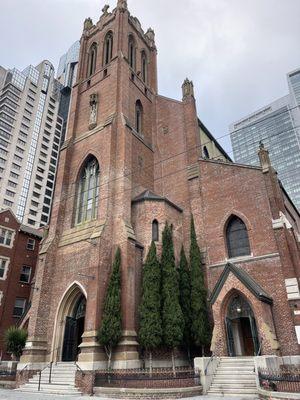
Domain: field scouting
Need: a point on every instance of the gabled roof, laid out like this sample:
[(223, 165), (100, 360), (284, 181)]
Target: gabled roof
[(31, 231), (148, 195), (11, 213), (213, 139), (246, 280)]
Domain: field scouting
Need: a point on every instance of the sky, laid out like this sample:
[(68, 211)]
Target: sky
[(237, 52)]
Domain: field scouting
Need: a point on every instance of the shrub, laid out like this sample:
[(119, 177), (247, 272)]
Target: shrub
[(15, 340)]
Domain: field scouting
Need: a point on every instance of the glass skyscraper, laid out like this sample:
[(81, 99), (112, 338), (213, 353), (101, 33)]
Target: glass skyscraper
[(277, 125)]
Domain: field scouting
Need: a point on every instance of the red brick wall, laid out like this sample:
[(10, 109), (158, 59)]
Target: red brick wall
[(11, 287)]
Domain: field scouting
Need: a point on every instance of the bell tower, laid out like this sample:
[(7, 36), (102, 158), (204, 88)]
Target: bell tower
[(109, 136)]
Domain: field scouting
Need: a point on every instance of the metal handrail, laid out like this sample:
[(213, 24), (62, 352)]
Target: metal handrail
[(212, 357), (52, 351), (79, 369), (23, 369), (40, 374), (260, 346)]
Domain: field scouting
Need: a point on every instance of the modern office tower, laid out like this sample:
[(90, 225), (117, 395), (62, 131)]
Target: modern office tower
[(66, 75), (30, 136), (277, 125), (67, 68)]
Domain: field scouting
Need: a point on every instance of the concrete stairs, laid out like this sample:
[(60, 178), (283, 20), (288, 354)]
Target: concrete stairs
[(234, 376), (62, 380)]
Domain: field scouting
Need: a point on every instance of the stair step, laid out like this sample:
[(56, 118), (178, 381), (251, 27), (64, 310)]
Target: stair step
[(233, 385), (231, 381), (62, 381), (55, 381), (233, 391)]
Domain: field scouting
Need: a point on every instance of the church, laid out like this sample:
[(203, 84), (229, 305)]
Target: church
[(133, 160)]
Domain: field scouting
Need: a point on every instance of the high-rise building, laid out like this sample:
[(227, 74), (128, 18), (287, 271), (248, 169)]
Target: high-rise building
[(277, 125), (66, 75), (30, 137), (67, 68)]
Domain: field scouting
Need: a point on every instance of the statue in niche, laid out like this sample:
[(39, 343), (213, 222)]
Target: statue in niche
[(93, 110)]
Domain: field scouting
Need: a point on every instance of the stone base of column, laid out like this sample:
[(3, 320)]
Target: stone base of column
[(126, 355), (35, 351), (92, 356)]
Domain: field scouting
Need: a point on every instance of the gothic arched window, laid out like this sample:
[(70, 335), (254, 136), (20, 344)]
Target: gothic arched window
[(131, 52), (237, 238), (205, 152), (108, 47), (144, 66), (92, 59), (155, 231), (138, 116), (88, 191)]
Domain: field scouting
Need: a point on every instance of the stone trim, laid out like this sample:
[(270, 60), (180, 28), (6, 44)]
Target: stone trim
[(292, 289), (246, 280), (241, 260), (193, 171), (82, 232), (230, 164)]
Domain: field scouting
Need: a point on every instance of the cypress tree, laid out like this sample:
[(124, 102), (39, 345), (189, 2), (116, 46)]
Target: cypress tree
[(111, 328), (200, 328), (185, 299), (150, 332), (172, 318)]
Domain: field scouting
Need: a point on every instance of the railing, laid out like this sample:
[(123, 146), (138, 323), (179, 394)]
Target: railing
[(79, 369), (139, 378), (285, 380), (40, 374), (212, 357), (259, 349)]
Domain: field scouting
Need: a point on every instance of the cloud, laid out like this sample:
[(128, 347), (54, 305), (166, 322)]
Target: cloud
[(237, 52)]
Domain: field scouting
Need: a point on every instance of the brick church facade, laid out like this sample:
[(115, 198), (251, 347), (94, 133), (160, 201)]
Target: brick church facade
[(131, 161)]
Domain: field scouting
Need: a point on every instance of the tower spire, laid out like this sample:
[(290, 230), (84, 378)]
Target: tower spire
[(122, 5), (264, 157)]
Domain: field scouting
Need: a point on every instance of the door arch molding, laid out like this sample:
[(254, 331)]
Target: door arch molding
[(240, 326), (65, 308)]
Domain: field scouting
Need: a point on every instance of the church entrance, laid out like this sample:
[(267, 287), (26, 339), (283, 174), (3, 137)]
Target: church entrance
[(242, 337), (74, 328)]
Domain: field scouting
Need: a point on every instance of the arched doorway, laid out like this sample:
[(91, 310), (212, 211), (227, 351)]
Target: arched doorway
[(242, 337), (74, 328), (69, 324)]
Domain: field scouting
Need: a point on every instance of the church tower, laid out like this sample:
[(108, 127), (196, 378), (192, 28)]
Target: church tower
[(117, 184)]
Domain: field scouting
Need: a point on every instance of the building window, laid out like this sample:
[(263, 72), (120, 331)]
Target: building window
[(8, 203), (205, 152), (138, 116), (88, 192), (131, 52), (25, 274), (237, 238), (3, 267), (1, 297), (92, 59), (108, 47), (144, 67), (30, 244), (19, 307), (155, 231), (6, 237)]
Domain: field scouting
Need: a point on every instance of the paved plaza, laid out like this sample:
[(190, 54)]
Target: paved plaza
[(6, 394)]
